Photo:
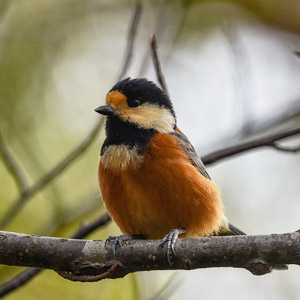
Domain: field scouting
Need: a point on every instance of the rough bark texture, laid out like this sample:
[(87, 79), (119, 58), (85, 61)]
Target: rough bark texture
[(84, 259)]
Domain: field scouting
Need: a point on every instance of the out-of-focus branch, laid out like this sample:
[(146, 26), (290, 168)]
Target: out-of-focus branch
[(52, 174), (84, 260), (86, 229), (130, 38), (241, 72), (83, 146), (28, 274), (18, 281), (269, 141), (159, 74), (12, 166)]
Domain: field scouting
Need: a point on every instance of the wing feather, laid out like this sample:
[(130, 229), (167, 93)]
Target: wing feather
[(191, 152), (197, 162)]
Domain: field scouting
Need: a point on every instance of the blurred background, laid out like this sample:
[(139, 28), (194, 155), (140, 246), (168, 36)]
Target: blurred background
[(233, 76)]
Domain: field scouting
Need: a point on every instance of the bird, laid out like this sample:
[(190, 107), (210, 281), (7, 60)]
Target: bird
[(153, 183)]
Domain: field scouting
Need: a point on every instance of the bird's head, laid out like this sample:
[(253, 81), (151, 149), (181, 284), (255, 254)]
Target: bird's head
[(141, 103)]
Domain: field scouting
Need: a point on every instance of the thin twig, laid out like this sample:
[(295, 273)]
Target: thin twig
[(90, 278), (241, 72), (52, 174), (83, 146), (18, 281), (13, 167), (86, 229), (25, 276), (262, 142), (157, 65), (130, 38)]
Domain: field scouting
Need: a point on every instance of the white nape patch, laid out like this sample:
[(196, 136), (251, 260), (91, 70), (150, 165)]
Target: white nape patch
[(120, 157), (150, 116)]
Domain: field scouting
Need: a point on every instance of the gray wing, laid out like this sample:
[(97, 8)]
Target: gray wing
[(197, 162), (190, 151)]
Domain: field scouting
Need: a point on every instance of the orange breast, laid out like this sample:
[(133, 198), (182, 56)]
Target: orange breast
[(166, 192)]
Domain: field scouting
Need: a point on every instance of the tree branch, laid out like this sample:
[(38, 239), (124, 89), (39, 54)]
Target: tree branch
[(87, 229), (18, 281), (51, 175), (159, 74), (12, 166), (81, 259), (30, 273), (269, 141), (130, 38)]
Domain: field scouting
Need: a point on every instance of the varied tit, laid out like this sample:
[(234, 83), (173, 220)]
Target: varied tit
[(152, 181)]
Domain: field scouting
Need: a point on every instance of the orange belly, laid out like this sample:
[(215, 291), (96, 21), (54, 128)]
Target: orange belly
[(164, 193)]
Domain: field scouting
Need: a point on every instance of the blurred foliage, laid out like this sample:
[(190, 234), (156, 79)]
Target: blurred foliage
[(41, 43), (279, 13), (33, 38)]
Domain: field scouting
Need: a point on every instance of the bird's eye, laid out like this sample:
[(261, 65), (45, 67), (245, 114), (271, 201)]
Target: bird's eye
[(135, 103)]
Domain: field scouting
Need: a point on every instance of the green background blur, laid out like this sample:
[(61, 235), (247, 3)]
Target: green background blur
[(232, 75)]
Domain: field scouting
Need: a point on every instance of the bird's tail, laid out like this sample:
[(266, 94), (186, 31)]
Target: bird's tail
[(235, 230), (228, 229)]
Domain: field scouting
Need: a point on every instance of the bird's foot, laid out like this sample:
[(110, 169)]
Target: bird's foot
[(119, 241), (170, 239)]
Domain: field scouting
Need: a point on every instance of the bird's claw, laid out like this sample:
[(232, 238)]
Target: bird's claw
[(170, 239), (118, 240)]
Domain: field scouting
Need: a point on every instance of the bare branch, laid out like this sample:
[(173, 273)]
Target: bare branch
[(86, 229), (30, 273), (241, 72), (52, 174), (12, 166), (130, 38), (90, 278), (268, 141), (19, 280), (157, 65), (83, 259)]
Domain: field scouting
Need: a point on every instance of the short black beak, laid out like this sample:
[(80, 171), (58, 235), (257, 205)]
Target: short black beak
[(106, 110)]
